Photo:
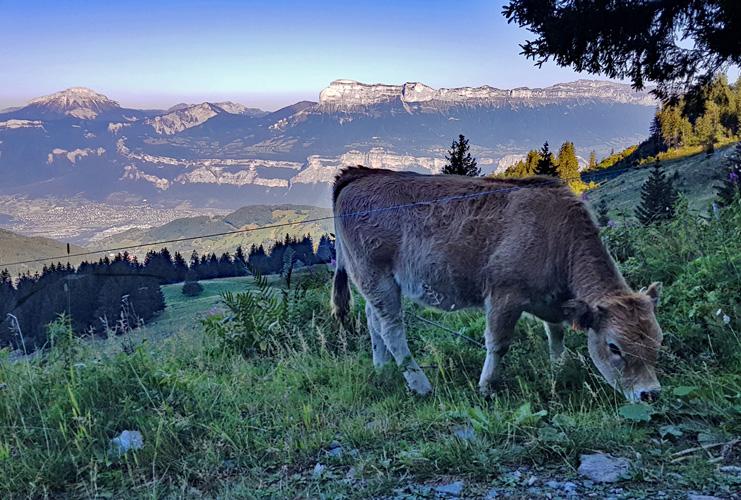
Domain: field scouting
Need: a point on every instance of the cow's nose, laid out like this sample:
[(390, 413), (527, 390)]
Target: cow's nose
[(650, 395)]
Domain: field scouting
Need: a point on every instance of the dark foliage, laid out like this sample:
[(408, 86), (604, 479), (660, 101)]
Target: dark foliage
[(460, 161), (114, 296), (192, 289), (546, 164), (730, 187), (640, 40), (658, 198), (602, 218)]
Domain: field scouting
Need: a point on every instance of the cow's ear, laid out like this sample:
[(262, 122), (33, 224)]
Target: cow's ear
[(580, 314), (653, 291)]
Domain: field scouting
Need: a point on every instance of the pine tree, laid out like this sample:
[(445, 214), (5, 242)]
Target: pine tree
[(592, 161), (460, 161), (545, 163), (658, 197), (568, 165), (730, 186), (602, 217)]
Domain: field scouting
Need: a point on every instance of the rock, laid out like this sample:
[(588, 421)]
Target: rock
[(588, 483), (692, 496), (450, 490), (568, 485), (335, 450), (731, 469), (318, 471), (127, 440), (464, 432), (553, 484), (603, 468), (491, 494), (531, 480)]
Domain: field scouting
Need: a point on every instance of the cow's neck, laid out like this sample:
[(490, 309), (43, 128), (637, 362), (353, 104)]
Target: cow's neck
[(593, 274)]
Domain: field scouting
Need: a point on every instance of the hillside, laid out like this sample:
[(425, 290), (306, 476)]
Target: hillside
[(251, 217), (15, 247), (696, 180)]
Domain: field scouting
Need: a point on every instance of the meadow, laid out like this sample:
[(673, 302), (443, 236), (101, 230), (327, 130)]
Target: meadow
[(252, 390)]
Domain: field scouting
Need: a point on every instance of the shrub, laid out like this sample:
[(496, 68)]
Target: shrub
[(192, 289)]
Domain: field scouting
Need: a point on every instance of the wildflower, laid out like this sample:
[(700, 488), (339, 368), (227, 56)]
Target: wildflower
[(719, 312), (611, 223), (726, 319), (333, 264), (733, 177)]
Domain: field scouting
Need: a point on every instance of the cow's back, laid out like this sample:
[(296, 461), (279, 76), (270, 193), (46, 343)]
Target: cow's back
[(447, 239)]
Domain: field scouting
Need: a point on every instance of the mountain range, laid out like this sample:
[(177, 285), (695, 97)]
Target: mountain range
[(78, 142)]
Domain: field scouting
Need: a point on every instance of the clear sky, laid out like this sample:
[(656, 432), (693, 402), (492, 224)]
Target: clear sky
[(264, 54)]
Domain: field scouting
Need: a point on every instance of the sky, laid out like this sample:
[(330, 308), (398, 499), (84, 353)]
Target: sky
[(263, 54)]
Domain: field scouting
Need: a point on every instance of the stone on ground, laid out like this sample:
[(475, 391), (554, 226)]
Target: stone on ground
[(603, 468)]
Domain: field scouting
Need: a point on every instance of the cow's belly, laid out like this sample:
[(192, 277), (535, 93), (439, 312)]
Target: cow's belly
[(440, 292)]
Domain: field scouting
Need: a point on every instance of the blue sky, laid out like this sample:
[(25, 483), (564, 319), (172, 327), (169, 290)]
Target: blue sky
[(264, 54)]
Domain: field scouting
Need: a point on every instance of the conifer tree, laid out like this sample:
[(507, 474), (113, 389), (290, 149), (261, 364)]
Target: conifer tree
[(602, 217), (568, 165), (658, 197), (730, 186), (545, 163), (460, 161), (592, 161)]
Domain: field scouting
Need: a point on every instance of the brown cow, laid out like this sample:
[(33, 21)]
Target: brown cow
[(521, 245)]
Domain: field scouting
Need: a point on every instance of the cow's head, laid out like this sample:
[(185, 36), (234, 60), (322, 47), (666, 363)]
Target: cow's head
[(624, 338)]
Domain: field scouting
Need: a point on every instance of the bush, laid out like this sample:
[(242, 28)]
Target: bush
[(192, 289)]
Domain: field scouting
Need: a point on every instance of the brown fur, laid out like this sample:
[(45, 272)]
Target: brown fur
[(529, 246)]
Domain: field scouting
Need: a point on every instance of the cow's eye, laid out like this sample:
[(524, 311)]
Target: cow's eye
[(614, 349)]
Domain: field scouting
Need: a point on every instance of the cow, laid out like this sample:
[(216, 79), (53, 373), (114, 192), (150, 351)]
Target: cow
[(511, 246)]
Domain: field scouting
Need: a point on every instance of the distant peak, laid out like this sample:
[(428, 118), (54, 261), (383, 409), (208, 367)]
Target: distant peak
[(79, 102)]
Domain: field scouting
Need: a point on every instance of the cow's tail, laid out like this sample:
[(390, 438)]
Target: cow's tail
[(341, 286)]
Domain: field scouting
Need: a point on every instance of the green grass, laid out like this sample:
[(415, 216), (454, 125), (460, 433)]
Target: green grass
[(217, 423)]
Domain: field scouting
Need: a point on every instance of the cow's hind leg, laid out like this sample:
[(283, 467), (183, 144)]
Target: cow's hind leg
[(502, 313), (385, 300), (381, 355), (555, 332)]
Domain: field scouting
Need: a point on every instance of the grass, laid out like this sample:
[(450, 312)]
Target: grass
[(216, 422)]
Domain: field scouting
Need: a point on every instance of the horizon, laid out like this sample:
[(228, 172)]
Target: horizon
[(167, 106), (264, 56)]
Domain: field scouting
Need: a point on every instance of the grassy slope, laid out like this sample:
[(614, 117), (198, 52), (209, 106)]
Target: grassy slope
[(697, 174), (15, 247)]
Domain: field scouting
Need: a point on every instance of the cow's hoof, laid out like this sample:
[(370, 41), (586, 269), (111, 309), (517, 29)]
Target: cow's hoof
[(488, 389), (417, 382)]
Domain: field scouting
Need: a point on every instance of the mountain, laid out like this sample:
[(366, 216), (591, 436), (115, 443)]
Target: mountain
[(225, 155), (76, 102)]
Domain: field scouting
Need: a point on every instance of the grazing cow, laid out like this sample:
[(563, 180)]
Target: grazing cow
[(522, 245)]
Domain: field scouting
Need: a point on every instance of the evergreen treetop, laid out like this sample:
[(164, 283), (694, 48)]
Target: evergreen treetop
[(546, 165), (658, 198), (460, 161)]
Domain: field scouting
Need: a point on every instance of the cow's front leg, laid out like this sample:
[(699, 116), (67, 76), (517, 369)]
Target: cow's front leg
[(555, 332), (502, 313)]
